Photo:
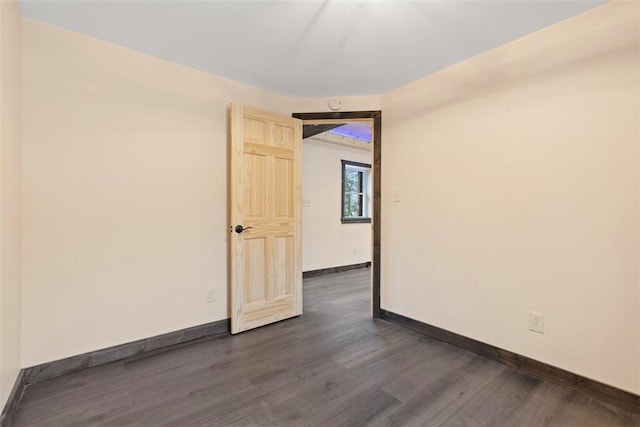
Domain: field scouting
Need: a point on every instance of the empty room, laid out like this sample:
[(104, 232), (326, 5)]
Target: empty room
[(319, 213)]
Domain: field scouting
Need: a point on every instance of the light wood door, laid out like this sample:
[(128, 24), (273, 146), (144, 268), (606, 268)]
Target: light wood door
[(265, 200)]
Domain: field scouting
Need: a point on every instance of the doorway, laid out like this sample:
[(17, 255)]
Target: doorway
[(331, 119)]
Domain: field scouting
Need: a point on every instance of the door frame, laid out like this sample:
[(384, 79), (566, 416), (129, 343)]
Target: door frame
[(376, 115)]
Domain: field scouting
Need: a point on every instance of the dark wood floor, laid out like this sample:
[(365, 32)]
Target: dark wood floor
[(333, 366)]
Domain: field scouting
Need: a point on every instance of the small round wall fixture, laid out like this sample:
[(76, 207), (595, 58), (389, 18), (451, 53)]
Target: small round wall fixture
[(335, 104)]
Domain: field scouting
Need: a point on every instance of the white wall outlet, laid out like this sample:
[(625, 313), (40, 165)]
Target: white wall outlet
[(536, 322), (210, 295), (355, 251), (306, 202)]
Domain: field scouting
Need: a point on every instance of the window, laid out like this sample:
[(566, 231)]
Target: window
[(356, 199)]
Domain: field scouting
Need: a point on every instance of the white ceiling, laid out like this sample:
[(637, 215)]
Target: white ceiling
[(360, 131), (313, 47)]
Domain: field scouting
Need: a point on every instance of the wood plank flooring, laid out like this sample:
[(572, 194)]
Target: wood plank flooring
[(332, 366)]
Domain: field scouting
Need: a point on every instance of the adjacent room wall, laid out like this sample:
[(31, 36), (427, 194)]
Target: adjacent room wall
[(326, 241), (125, 218), (10, 139), (518, 175)]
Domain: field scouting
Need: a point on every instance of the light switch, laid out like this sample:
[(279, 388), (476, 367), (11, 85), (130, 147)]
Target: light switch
[(396, 194)]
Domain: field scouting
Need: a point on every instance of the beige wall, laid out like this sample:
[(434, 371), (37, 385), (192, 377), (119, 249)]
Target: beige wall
[(349, 103), (124, 193), (518, 171), (326, 241), (10, 113)]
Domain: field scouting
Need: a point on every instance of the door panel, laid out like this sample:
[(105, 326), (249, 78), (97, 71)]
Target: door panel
[(284, 177), (283, 271), (265, 198), (254, 287), (255, 185)]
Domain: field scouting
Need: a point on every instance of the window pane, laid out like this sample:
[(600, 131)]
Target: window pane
[(351, 180), (352, 205)]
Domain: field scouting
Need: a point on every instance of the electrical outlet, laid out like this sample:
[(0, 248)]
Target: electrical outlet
[(210, 295), (536, 322), (355, 251)]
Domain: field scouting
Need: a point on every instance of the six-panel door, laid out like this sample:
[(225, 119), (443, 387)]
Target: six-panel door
[(265, 199)]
